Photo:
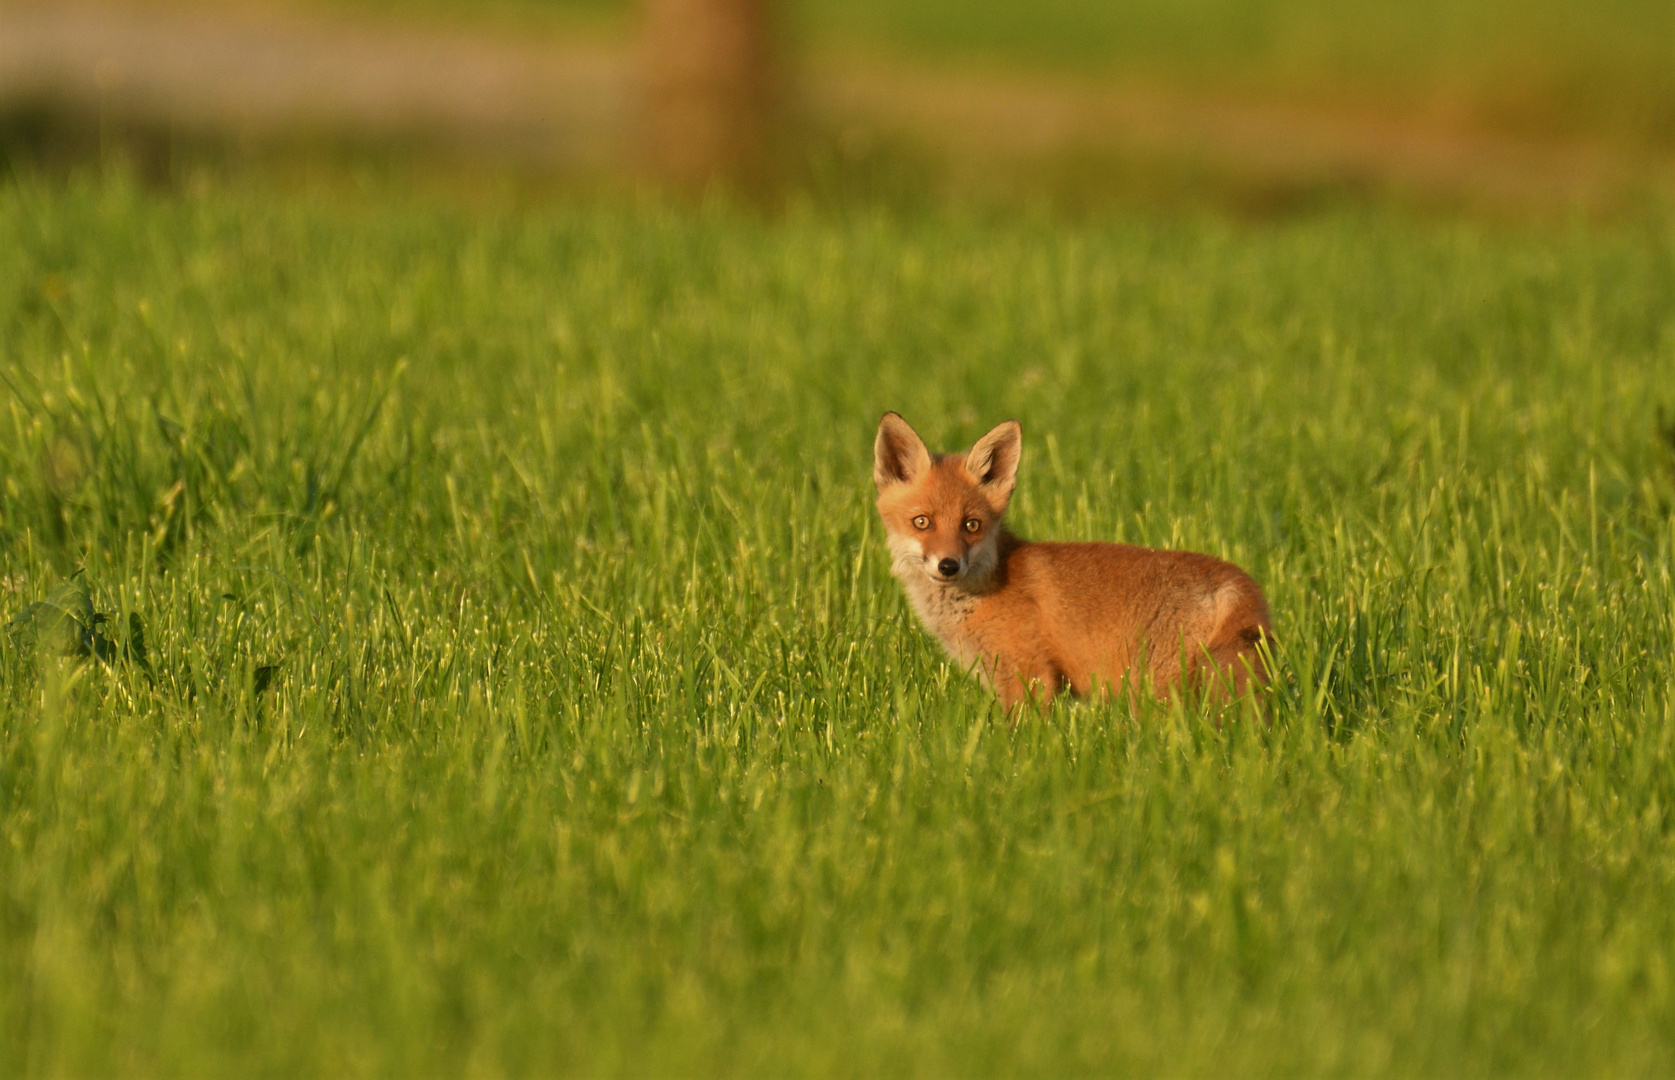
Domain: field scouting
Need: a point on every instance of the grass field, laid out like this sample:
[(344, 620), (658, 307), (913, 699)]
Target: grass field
[(1536, 64), (524, 691)]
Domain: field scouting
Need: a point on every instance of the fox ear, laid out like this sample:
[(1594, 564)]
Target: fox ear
[(898, 454), (994, 460)]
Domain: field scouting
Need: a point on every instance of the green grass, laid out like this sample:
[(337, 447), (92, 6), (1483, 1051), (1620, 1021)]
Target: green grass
[(601, 741)]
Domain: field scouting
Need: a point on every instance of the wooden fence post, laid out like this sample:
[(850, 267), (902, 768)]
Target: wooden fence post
[(709, 84)]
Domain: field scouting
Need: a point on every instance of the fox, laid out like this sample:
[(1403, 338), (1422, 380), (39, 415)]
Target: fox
[(1035, 619)]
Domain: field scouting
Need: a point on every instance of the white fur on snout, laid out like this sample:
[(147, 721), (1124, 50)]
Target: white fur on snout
[(907, 555)]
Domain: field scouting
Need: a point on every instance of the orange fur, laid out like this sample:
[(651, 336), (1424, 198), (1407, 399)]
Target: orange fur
[(1035, 618)]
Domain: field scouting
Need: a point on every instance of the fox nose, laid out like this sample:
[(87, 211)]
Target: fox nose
[(948, 567)]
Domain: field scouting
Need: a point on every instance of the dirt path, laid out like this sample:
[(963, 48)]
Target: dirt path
[(571, 104), (254, 71)]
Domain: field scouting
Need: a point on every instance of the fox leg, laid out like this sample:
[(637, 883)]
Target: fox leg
[(1235, 663), (1018, 685), (1233, 651)]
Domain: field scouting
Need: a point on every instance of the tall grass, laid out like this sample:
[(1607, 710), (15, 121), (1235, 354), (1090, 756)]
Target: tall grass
[(525, 690)]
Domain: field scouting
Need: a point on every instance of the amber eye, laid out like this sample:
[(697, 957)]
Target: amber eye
[(972, 525), (921, 522)]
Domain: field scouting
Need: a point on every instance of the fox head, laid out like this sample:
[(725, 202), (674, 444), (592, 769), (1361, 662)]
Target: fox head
[(943, 513)]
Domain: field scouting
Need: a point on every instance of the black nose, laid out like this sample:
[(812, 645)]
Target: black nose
[(948, 567)]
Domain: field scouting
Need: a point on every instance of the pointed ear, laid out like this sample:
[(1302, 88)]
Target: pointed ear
[(898, 454), (993, 462)]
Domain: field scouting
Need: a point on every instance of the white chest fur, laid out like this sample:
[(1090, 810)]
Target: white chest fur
[(944, 610)]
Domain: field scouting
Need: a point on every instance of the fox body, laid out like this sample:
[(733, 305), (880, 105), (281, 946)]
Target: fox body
[(1036, 618)]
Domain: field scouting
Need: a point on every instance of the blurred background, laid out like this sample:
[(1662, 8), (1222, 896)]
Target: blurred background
[(1258, 105)]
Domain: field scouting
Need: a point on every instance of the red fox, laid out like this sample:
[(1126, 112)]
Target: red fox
[(1035, 618)]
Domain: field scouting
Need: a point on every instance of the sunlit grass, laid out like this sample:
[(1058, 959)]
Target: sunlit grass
[(595, 736)]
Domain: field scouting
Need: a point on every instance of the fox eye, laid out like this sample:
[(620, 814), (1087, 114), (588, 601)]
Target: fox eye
[(921, 522), (972, 525)]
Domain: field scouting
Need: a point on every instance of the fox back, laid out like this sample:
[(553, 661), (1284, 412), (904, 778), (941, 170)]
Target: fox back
[(1037, 618)]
